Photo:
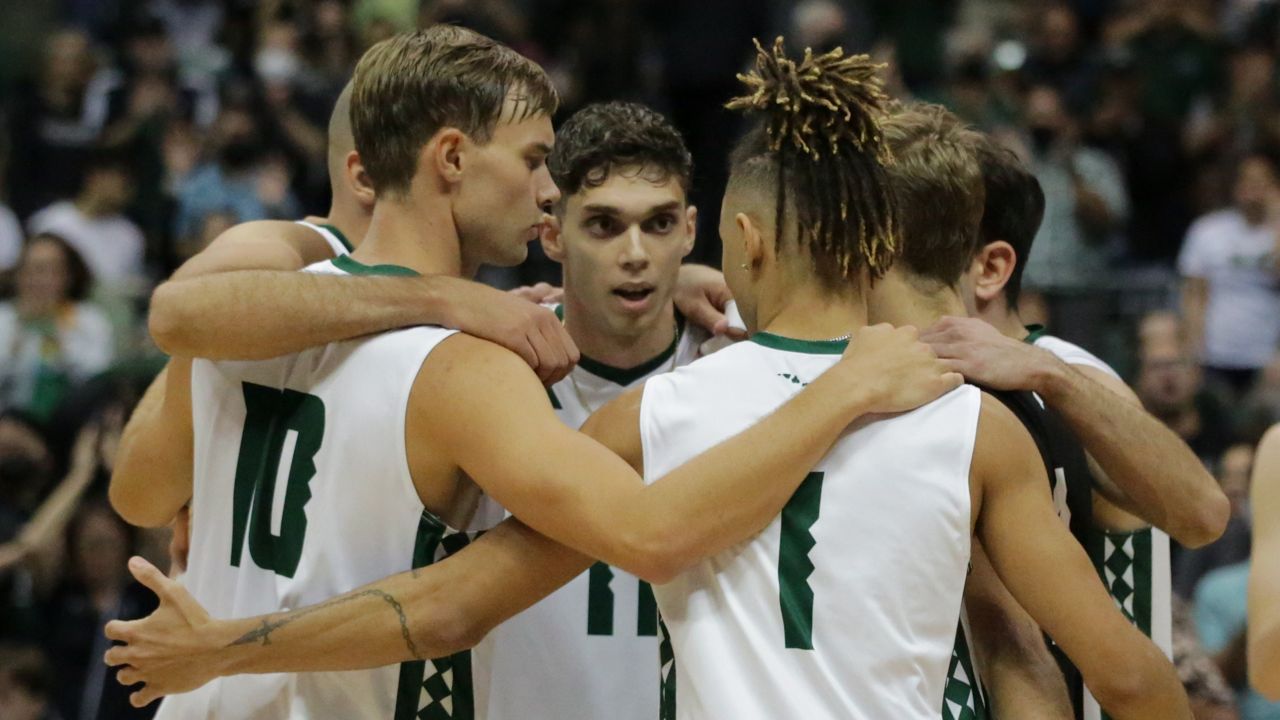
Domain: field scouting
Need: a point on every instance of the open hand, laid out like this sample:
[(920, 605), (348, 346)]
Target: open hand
[(702, 295), (170, 650), (894, 371), (980, 352)]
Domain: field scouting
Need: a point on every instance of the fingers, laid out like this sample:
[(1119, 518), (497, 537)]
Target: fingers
[(561, 339), (143, 697), (952, 380), (121, 630), (119, 655), (150, 576), (128, 676), (703, 313), (551, 356)]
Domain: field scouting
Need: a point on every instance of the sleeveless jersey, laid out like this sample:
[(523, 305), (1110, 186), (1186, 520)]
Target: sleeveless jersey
[(845, 605), (302, 491), (590, 649), (332, 235), (1134, 566)]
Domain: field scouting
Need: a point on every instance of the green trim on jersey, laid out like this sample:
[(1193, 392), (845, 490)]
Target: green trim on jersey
[(963, 698), (1124, 562), (1035, 332), (626, 376), (448, 687), (348, 264), (667, 675), (811, 347), (338, 234)]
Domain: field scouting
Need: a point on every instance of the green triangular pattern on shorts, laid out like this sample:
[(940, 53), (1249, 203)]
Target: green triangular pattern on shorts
[(446, 692), (1124, 562), (666, 675), (962, 699)]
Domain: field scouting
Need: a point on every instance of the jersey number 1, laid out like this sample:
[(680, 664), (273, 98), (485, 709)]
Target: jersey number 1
[(795, 595), (273, 419)]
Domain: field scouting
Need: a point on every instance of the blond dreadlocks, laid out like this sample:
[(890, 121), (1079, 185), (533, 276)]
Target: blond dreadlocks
[(820, 136)]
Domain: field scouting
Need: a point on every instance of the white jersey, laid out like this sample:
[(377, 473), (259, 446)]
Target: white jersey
[(302, 491), (590, 649), (845, 606), (332, 235), (1134, 565)]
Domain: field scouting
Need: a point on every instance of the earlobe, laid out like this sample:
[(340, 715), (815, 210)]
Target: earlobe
[(691, 227), (359, 181), (752, 243), (551, 239), (446, 153), (996, 263)]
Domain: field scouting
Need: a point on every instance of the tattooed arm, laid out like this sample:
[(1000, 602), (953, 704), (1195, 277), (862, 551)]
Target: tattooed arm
[(437, 611)]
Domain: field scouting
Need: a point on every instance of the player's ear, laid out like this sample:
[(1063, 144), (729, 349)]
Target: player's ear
[(359, 181), (691, 230), (445, 152), (753, 249), (552, 239), (992, 268)]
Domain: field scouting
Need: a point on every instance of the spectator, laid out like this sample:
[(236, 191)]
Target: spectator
[(1221, 615), (1085, 205), (1058, 57), (238, 178), (94, 223), (26, 467), (1211, 697), (1231, 293), (50, 338), (1170, 385), (97, 589), (1261, 407), (1175, 51), (1233, 547), (26, 684), (52, 129)]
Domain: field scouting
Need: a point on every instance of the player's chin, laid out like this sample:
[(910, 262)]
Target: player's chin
[(512, 255)]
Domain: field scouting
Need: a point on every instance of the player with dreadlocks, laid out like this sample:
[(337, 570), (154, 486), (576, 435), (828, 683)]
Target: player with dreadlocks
[(845, 605)]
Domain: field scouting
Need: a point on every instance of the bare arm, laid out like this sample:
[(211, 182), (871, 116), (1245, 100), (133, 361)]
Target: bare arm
[(1195, 298), (241, 299), (1264, 574), (500, 429), (1016, 666), (1050, 576), (152, 477), (1144, 466), (441, 609)]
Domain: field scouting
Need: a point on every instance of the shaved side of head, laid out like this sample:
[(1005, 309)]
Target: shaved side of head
[(341, 141)]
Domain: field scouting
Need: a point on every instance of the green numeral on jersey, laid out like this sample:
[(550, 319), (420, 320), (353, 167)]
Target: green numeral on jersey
[(794, 566), (600, 604), (271, 417)]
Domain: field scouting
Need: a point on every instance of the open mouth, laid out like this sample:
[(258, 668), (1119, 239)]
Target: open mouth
[(634, 292)]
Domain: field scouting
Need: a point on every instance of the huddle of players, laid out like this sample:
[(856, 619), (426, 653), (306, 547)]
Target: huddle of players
[(829, 593)]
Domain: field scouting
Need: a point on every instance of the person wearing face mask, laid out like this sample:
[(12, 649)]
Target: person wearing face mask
[(1085, 204)]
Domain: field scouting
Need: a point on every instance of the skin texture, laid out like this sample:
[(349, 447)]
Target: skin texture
[(1264, 580)]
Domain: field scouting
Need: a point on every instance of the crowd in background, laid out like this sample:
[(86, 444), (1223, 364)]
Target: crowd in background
[(132, 132)]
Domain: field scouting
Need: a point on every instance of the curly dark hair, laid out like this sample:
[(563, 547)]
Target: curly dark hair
[(604, 136)]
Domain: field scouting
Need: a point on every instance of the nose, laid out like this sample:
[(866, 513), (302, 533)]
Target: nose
[(546, 193), (634, 254)]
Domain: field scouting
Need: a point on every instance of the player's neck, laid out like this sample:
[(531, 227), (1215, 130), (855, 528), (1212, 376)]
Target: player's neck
[(1004, 318), (807, 311), (613, 349), (417, 235), (352, 222), (898, 300)]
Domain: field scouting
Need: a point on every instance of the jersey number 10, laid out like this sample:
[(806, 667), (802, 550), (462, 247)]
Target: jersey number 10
[(273, 419)]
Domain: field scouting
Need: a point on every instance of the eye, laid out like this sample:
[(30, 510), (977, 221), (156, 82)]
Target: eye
[(602, 226), (535, 162), (661, 224)]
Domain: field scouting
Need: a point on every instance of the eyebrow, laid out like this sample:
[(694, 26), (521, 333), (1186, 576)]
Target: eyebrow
[(611, 210)]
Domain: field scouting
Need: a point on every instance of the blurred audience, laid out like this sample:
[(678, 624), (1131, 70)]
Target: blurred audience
[(1171, 386), (50, 338)]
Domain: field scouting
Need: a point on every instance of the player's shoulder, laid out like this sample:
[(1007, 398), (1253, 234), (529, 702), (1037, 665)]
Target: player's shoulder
[(1073, 354)]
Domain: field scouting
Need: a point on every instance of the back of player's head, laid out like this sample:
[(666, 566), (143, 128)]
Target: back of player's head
[(1014, 208), (409, 86), (818, 152), (938, 183), (605, 137), (340, 140)]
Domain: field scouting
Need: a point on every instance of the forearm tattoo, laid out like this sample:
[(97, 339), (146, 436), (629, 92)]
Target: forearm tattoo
[(262, 633)]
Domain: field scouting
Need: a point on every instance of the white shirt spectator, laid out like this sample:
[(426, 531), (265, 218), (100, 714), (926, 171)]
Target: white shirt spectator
[(10, 239), (1242, 318), (84, 347), (112, 246)]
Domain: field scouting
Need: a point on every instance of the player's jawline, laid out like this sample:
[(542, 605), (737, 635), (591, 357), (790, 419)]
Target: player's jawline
[(262, 634)]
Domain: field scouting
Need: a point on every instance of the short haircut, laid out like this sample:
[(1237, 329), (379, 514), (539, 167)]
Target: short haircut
[(79, 277), (603, 137), (819, 151), (409, 86), (938, 183), (1014, 208)]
